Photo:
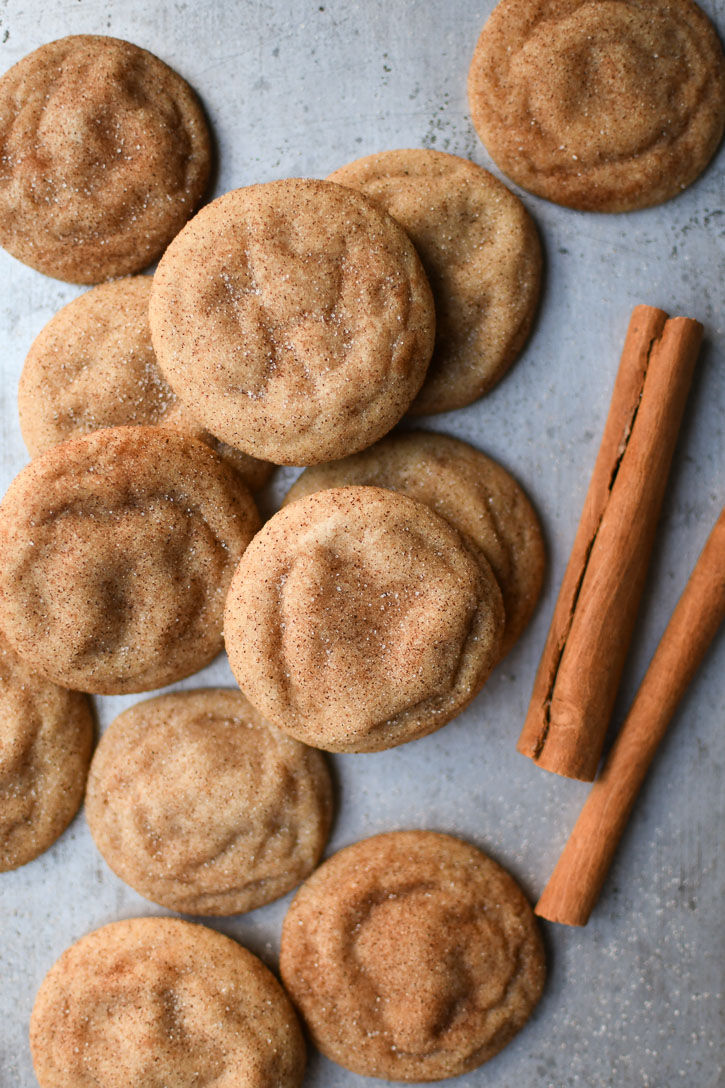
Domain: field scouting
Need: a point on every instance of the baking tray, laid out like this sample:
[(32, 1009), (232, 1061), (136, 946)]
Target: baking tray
[(298, 88)]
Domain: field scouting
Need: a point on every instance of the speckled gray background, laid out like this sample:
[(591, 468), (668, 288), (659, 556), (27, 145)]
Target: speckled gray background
[(297, 88)]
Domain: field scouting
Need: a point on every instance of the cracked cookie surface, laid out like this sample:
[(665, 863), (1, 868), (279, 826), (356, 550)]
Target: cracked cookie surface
[(359, 620), (202, 806), (154, 1002), (297, 319), (411, 956), (93, 365), (46, 736), (481, 254), (104, 155), (599, 106), (474, 494), (116, 550)]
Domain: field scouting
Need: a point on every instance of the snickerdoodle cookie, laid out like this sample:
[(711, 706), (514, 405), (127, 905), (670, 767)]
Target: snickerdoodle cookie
[(116, 552), (93, 365), (599, 106), (296, 318), (412, 956), (481, 253), (46, 734), (201, 806), (475, 494), (358, 619), (152, 1002), (104, 155)]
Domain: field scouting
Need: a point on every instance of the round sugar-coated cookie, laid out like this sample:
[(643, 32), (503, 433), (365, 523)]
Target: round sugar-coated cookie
[(104, 155), (475, 494), (481, 253), (46, 735), (116, 552), (157, 1001), (358, 619), (599, 106), (412, 956), (296, 318), (201, 806), (93, 365)]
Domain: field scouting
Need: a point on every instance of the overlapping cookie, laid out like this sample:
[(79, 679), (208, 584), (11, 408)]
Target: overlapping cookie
[(201, 806), (481, 253), (105, 154), (116, 551), (296, 318), (412, 957), (158, 1001), (599, 106), (475, 494), (358, 620), (93, 365), (46, 736)]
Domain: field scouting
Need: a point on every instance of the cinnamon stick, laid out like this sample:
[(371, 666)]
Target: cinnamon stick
[(574, 886), (577, 680)]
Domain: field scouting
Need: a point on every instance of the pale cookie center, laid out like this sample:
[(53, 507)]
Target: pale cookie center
[(301, 320), (94, 578), (92, 131), (199, 793), (367, 635), (607, 82), (148, 1027), (420, 978)]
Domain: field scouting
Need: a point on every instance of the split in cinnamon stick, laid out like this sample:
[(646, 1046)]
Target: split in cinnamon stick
[(576, 882), (581, 666)]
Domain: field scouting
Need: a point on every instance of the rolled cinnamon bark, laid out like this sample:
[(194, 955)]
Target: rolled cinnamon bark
[(576, 882), (580, 669)]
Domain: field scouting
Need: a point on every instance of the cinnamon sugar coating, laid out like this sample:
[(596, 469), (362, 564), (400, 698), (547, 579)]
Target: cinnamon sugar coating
[(411, 956), (156, 1002), (201, 806), (358, 619), (481, 254), (116, 551), (104, 155), (296, 318), (599, 106), (474, 494), (93, 365), (46, 735)]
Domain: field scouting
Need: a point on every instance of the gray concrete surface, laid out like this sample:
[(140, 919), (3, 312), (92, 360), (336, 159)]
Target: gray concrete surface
[(297, 88)]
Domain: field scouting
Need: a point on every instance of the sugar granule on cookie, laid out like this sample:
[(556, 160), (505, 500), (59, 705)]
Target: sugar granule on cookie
[(599, 106), (202, 806), (481, 254), (93, 365), (412, 956), (359, 619), (116, 551), (474, 494), (158, 1001), (296, 318), (104, 155), (46, 736)]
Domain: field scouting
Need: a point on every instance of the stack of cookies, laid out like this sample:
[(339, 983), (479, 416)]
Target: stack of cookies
[(289, 323)]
